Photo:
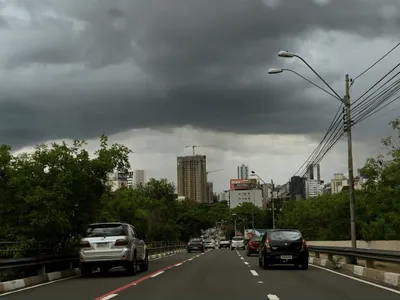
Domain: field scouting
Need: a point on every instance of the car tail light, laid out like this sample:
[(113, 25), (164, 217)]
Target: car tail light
[(84, 244), (267, 245), (201, 243), (188, 244), (121, 242), (303, 245)]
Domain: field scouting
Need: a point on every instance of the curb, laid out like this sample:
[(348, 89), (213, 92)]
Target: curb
[(9, 286), (389, 279)]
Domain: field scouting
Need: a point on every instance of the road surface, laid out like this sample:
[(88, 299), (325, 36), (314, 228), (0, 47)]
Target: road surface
[(215, 274)]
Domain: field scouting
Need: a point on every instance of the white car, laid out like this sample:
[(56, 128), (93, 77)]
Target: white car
[(238, 243)]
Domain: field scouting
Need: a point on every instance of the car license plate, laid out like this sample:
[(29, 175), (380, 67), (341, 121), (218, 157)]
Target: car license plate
[(286, 257), (102, 245)]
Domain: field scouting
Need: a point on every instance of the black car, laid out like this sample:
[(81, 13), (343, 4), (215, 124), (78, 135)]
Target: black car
[(195, 244), (283, 246)]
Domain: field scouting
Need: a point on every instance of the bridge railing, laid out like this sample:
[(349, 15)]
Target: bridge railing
[(368, 255)]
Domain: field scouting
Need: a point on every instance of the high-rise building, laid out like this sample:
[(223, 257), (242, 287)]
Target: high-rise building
[(319, 173), (192, 177), (210, 192), (139, 177), (242, 172), (310, 171)]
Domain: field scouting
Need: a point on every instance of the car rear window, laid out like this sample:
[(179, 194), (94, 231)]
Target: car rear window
[(256, 238), (207, 241), (285, 235), (237, 238), (99, 230), (195, 240)]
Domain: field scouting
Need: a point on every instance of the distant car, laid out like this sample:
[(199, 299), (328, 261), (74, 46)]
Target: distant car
[(108, 245), (209, 244), (195, 244), (224, 243), (238, 243), (283, 246), (253, 245)]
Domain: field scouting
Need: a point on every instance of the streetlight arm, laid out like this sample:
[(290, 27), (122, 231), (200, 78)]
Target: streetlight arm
[(315, 72), (314, 84)]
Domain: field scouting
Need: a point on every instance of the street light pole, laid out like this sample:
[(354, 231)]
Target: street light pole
[(273, 204), (346, 102), (350, 163)]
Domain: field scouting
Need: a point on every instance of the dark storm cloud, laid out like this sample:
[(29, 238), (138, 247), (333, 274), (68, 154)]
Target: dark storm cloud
[(200, 63)]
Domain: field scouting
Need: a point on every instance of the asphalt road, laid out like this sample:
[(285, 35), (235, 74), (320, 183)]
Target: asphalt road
[(217, 274)]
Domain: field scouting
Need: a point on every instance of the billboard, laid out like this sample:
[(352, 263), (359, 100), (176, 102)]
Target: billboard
[(243, 184)]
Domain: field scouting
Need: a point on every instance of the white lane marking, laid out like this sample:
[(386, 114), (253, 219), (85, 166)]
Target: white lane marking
[(254, 273), (260, 282), (158, 273), (246, 263), (109, 297), (63, 279), (359, 280), (272, 297), (190, 259), (39, 285), (177, 265), (242, 258)]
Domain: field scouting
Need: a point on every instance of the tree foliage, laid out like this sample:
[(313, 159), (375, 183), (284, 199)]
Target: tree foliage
[(53, 193), (377, 206)]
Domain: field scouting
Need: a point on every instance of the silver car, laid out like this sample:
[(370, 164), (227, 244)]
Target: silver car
[(238, 243), (108, 245)]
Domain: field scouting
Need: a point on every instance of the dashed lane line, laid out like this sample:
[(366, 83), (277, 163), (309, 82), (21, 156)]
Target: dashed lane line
[(272, 297), (158, 273), (109, 297), (254, 273)]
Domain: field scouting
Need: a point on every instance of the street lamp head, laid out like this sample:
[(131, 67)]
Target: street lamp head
[(286, 54), (253, 173), (275, 71)]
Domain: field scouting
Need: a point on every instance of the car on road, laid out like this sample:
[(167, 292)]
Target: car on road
[(224, 243), (283, 246), (238, 243), (253, 245), (209, 244), (109, 245), (195, 244)]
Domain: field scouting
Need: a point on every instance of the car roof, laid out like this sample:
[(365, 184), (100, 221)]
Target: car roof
[(108, 223)]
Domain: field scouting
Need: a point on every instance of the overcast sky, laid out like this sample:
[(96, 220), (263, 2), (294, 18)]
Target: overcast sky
[(158, 75)]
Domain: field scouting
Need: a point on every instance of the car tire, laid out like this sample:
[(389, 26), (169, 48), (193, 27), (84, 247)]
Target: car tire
[(131, 268), (248, 252), (86, 270), (145, 264), (259, 262), (189, 251), (304, 265), (265, 263), (202, 250)]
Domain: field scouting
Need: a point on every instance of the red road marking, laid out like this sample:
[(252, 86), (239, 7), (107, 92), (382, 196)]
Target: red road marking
[(127, 286)]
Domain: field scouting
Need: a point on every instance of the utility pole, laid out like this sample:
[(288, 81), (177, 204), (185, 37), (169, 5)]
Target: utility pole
[(273, 203), (350, 163)]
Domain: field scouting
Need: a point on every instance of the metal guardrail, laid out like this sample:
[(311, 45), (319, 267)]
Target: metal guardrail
[(69, 260), (369, 255)]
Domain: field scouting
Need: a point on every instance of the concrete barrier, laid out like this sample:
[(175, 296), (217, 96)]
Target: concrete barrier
[(388, 279), (13, 285), (378, 245)]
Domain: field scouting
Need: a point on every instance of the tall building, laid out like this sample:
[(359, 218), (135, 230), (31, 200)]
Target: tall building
[(139, 177), (297, 189), (310, 171), (319, 173), (192, 177), (242, 172), (210, 192), (237, 197), (313, 188)]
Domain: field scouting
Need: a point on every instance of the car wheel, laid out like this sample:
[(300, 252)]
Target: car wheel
[(132, 266), (145, 265), (304, 265), (86, 270), (265, 263), (248, 253), (202, 250), (189, 250), (259, 261)]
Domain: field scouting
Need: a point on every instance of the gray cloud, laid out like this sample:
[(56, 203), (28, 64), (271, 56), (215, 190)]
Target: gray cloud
[(81, 68)]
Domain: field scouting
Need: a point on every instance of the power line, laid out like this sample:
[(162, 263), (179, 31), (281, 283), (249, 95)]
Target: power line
[(374, 64)]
